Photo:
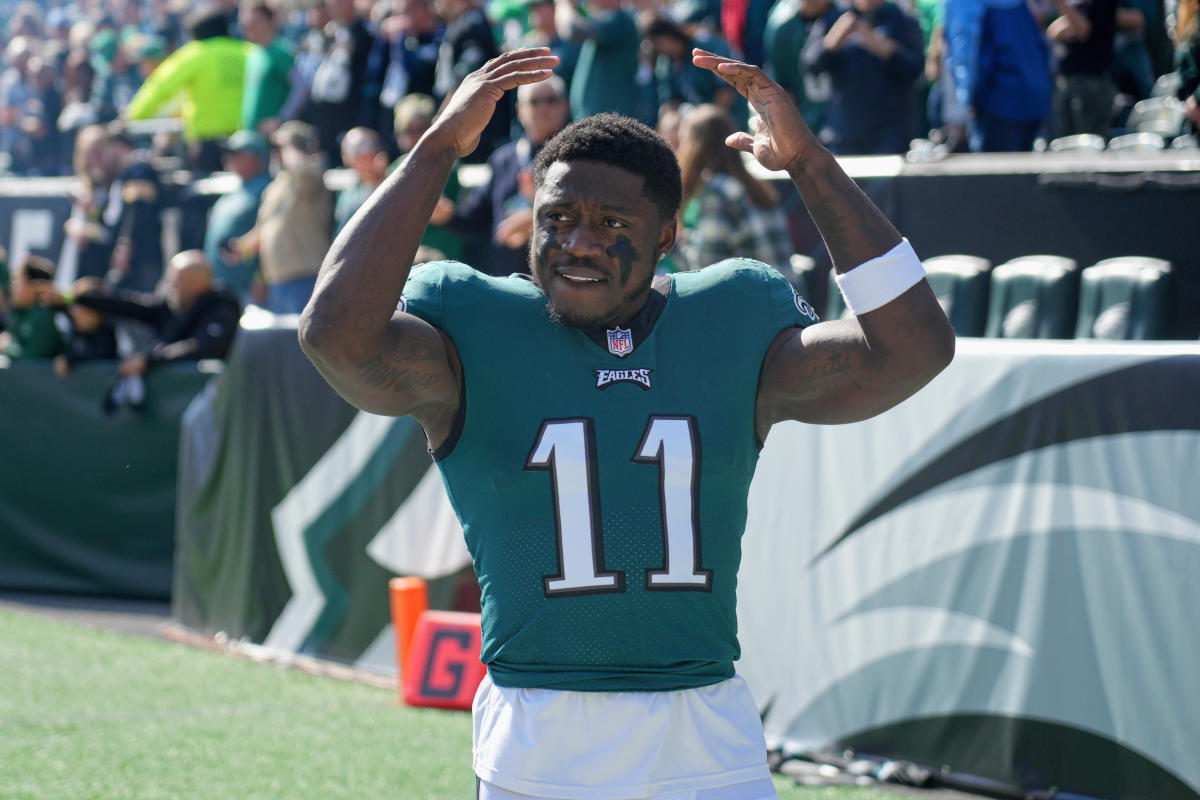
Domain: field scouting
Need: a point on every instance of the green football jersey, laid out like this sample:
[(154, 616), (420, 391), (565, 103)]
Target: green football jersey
[(601, 484)]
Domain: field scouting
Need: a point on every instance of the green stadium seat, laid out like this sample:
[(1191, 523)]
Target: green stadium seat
[(961, 285), (1124, 298), (1033, 297)]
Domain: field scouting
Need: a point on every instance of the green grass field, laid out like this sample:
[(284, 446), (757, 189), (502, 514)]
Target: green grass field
[(86, 713)]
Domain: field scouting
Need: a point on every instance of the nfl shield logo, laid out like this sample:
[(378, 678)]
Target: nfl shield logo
[(620, 342)]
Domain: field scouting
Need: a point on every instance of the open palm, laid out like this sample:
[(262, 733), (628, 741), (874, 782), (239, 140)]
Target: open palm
[(781, 138)]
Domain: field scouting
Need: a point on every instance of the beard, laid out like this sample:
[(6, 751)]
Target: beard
[(626, 307)]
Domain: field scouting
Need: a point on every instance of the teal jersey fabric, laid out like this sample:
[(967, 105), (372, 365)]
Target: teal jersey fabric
[(603, 497)]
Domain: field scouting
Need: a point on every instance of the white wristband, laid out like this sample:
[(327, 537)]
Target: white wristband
[(881, 280)]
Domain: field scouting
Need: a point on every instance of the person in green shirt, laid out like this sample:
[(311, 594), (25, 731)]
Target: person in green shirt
[(268, 68), (784, 39), (209, 72), (236, 212), (608, 57), (413, 116), (32, 332)]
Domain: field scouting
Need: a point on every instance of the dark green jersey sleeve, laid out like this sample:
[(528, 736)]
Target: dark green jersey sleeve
[(422, 296), (783, 307)]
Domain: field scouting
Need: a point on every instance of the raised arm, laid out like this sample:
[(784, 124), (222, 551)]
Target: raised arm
[(379, 359), (845, 370)]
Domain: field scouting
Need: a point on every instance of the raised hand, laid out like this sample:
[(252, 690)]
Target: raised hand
[(467, 111), (782, 140)]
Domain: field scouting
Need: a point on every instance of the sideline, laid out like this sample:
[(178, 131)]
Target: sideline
[(138, 617)]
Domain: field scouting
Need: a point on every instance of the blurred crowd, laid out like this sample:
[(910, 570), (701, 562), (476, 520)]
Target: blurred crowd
[(871, 75), (272, 93)]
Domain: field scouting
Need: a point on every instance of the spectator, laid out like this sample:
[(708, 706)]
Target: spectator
[(677, 79), (743, 24), (41, 120), (544, 33), (234, 213), (31, 330), (190, 317), (1001, 71), (404, 57), (502, 209), (146, 51), (308, 29), (293, 228), (115, 222), (166, 21), (209, 72), (467, 45), (1084, 89), (362, 152), (337, 102), (608, 56), (268, 66), (784, 41), (91, 336), (726, 212), (414, 114), (1132, 69), (873, 53), (117, 76), (78, 112), (18, 100)]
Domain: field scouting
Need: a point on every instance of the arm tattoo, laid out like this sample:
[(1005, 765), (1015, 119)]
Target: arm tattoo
[(833, 225), (380, 373), (409, 349), (833, 372)]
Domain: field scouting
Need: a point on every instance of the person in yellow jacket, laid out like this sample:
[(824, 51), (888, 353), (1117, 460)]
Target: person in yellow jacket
[(208, 72)]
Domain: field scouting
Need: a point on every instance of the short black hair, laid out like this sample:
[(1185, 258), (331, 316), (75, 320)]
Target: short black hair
[(623, 142)]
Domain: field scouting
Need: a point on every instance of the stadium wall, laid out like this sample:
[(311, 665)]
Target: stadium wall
[(1005, 586), (87, 499)]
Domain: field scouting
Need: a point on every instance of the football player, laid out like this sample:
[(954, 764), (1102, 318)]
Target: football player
[(597, 426)]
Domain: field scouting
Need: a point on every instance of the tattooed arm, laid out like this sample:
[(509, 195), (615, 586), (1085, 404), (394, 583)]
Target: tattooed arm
[(844, 370), (378, 359)]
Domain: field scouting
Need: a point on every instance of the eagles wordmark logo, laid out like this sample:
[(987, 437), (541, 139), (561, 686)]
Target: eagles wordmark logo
[(607, 377)]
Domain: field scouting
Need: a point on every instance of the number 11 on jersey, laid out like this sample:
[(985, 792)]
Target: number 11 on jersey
[(566, 447)]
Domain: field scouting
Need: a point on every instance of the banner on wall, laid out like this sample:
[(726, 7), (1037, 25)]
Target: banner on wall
[(997, 575), (296, 509)]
